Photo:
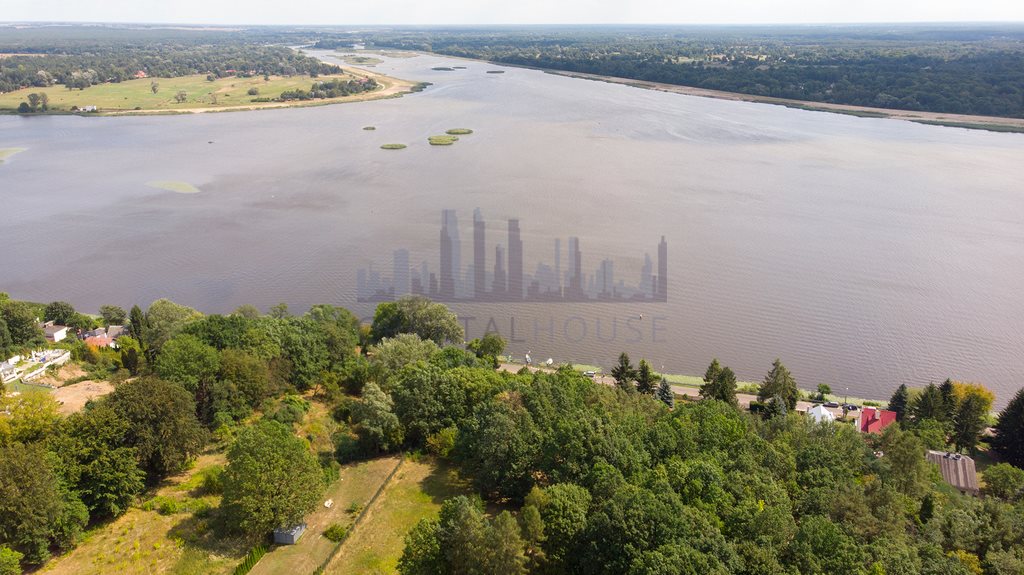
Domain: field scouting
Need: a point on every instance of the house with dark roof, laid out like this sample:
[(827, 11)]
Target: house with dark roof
[(957, 470), (53, 332), (874, 420)]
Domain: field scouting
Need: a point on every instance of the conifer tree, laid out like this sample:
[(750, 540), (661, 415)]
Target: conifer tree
[(624, 372), (779, 382), (1009, 439), (645, 379), (898, 402), (665, 393)]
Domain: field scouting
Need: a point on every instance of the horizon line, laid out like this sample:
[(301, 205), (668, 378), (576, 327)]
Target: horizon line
[(199, 24)]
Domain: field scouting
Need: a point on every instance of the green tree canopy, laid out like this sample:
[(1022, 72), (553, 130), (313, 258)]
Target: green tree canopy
[(113, 315), (376, 423), (60, 312), (37, 510), (162, 424), (419, 315), (187, 361), (624, 373), (1009, 431), (898, 402), (271, 479), (779, 382), (97, 464), (394, 353), (719, 383), (21, 324), (646, 381)]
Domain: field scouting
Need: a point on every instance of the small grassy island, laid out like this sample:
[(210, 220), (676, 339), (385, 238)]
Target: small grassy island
[(443, 69), (174, 186), (357, 60), (495, 71), (459, 132), (370, 128), (443, 140), (393, 147), (6, 153)]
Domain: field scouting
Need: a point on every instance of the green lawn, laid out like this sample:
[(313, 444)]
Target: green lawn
[(142, 542), (137, 94), (358, 483), (416, 492)]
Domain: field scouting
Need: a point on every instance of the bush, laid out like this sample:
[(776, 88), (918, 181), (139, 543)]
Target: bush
[(212, 482), (254, 91), (336, 532), (442, 442), (250, 560), (164, 505), (10, 561)]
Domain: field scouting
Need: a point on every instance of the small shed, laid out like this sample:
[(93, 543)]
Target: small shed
[(821, 414), (289, 535), (957, 470)]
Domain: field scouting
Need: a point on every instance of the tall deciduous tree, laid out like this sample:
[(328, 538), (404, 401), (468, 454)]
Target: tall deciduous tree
[(377, 425), (113, 315), (1009, 431), (97, 464), (779, 382), (624, 372), (419, 315), (21, 324), (162, 424), (186, 360), (60, 312), (37, 510), (271, 480)]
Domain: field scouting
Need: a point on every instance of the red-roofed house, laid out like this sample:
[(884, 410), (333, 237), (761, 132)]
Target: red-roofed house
[(140, 75), (100, 341), (873, 420)]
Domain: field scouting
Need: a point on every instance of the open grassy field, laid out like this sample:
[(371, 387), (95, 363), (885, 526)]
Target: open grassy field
[(220, 94), (146, 542), (416, 492), (358, 483)]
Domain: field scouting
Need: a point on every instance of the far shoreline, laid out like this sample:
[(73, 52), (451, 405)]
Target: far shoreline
[(971, 122)]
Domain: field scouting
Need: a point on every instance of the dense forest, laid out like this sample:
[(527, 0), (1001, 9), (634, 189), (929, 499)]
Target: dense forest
[(578, 477), (952, 69), (79, 57)]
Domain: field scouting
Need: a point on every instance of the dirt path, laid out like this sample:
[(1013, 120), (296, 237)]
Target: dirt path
[(72, 398)]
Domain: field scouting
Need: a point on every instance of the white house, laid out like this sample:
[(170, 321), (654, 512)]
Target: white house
[(820, 414), (53, 332)]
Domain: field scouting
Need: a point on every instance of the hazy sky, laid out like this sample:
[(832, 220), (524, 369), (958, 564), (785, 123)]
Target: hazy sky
[(511, 11)]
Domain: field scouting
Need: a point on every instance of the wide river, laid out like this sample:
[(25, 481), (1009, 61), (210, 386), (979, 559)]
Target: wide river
[(863, 252)]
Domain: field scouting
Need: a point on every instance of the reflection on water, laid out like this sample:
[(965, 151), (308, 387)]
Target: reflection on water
[(863, 252)]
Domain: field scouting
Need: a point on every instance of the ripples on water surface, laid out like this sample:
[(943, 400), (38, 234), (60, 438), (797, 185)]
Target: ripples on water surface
[(863, 252)]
